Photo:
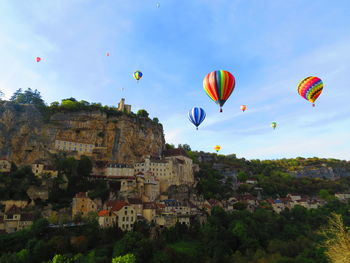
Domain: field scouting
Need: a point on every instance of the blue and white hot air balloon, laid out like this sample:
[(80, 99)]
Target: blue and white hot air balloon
[(196, 115)]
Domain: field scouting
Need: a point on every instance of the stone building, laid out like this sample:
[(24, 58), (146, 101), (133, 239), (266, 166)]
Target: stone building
[(5, 166), (124, 107), (126, 214), (175, 169), (15, 219), (107, 218), (39, 169), (82, 204), (82, 148)]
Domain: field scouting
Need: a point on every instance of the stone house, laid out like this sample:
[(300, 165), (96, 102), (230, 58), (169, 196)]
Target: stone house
[(149, 211), (39, 169), (82, 204), (15, 219), (137, 204), (126, 214), (5, 166), (107, 218)]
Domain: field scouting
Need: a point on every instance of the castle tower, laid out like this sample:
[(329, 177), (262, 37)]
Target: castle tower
[(121, 104), (124, 107)]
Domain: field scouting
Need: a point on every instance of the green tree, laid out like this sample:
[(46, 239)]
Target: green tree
[(128, 258), (156, 120), (28, 97), (142, 113), (325, 195)]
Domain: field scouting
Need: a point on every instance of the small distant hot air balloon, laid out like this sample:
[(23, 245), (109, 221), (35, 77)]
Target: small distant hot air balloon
[(38, 59), (310, 88), (274, 125), (107, 54), (158, 5), (196, 115), (219, 85), (138, 75), (217, 148), (243, 107)]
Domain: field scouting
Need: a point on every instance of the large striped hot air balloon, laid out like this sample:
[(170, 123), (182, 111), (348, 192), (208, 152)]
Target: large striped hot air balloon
[(219, 85), (196, 116), (310, 88)]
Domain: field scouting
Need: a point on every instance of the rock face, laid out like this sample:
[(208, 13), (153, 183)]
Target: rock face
[(25, 137), (322, 172)]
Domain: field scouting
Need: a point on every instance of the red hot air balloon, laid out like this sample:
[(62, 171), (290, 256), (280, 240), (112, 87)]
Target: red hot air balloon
[(243, 107), (219, 85), (38, 59)]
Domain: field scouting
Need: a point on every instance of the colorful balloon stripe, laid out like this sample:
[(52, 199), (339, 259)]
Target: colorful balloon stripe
[(219, 85), (310, 88)]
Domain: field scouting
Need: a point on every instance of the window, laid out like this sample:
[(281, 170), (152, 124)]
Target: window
[(127, 218), (123, 219), (126, 212), (132, 211)]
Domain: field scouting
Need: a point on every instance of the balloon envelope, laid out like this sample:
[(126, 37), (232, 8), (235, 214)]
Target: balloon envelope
[(107, 54), (310, 88), (219, 85), (38, 59), (217, 148), (196, 115), (243, 107), (138, 74), (274, 125)]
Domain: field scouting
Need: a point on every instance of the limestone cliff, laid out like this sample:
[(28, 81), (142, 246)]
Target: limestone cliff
[(26, 137)]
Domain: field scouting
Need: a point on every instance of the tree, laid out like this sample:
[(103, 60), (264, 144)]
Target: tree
[(142, 113), (128, 258), (185, 146), (337, 243), (28, 97), (325, 195), (1, 94), (156, 120)]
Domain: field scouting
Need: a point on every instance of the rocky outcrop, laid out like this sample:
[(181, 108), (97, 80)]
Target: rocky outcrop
[(322, 172), (25, 137)]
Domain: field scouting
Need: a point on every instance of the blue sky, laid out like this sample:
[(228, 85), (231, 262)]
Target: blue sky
[(269, 46)]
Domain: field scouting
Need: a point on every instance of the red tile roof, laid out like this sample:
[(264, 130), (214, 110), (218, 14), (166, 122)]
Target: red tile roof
[(116, 205), (103, 213)]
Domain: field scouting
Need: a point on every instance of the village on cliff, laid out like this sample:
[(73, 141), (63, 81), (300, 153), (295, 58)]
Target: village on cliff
[(158, 190)]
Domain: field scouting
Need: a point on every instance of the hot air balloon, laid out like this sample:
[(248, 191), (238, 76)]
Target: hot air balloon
[(138, 75), (274, 125), (38, 59), (217, 148), (310, 88), (219, 85), (243, 107), (107, 54), (196, 116)]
